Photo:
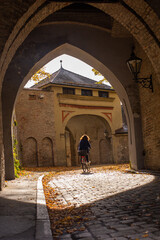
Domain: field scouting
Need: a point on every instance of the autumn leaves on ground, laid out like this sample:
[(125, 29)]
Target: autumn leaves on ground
[(66, 218)]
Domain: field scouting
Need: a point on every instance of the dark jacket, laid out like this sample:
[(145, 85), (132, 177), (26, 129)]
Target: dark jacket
[(84, 145)]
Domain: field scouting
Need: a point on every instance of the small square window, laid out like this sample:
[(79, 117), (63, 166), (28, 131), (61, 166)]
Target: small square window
[(86, 92), (103, 94), (68, 91), (32, 97)]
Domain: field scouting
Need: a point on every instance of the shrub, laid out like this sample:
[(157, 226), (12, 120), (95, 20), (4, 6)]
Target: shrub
[(17, 166)]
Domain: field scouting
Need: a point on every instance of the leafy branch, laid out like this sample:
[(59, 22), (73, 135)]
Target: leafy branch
[(101, 81), (97, 73), (40, 74)]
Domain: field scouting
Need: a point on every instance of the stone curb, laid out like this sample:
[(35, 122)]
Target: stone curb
[(43, 228), (155, 173)]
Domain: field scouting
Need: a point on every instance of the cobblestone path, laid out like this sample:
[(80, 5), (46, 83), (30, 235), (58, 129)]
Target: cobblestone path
[(124, 205)]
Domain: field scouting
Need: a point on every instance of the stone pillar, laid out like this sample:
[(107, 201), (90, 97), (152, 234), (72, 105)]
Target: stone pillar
[(2, 159), (60, 153), (136, 144), (139, 142), (9, 163), (68, 149), (9, 91), (2, 167)]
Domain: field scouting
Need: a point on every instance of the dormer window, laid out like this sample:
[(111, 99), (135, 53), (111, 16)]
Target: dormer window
[(86, 92), (68, 90)]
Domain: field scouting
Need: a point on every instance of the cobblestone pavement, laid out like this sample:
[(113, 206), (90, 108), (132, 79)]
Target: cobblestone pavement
[(124, 205)]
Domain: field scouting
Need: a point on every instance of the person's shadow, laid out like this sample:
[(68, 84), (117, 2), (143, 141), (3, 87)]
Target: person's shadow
[(87, 173)]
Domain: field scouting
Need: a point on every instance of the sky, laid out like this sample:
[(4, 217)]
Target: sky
[(69, 63)]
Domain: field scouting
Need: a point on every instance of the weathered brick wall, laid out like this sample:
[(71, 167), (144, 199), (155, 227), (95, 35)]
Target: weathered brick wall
[(144, 28), (150, 112), (11, 12), (36, 127)]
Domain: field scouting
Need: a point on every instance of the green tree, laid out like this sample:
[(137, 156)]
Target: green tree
[(17, 166)]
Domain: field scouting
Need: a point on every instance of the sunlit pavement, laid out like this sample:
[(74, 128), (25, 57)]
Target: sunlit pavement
[(125, 205)]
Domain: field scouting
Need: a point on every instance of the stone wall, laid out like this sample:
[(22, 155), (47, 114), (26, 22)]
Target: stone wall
[(121, 148), (44, 131), (77, 115), (36, 127)]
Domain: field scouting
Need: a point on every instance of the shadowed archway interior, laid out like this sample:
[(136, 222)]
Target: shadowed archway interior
[(94, 126), (97, 44)]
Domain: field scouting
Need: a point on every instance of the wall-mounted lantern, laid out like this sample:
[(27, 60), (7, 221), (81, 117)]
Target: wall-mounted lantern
[(134, 65)]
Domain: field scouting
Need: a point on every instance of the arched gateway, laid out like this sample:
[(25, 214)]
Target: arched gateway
[(57, 111), (96, 36), (101, 147)]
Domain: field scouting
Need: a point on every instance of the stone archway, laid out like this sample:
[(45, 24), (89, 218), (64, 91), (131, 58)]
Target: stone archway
[(132, 17), (146, 39), (94, 126), (11, 89)]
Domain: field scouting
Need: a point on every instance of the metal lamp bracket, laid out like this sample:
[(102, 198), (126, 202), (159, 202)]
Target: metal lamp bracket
[(145, 82)]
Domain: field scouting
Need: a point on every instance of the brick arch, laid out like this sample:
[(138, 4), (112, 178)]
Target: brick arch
[(147, 41), (24, 27), (144, 11), (32, 59), (137, 28), (101, 116), (83, 115), (94, 126), (134, 123)]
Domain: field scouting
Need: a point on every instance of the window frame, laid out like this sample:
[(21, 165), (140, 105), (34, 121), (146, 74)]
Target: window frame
[(68, 90), (85, 91), (103, 92), (32, 97)]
